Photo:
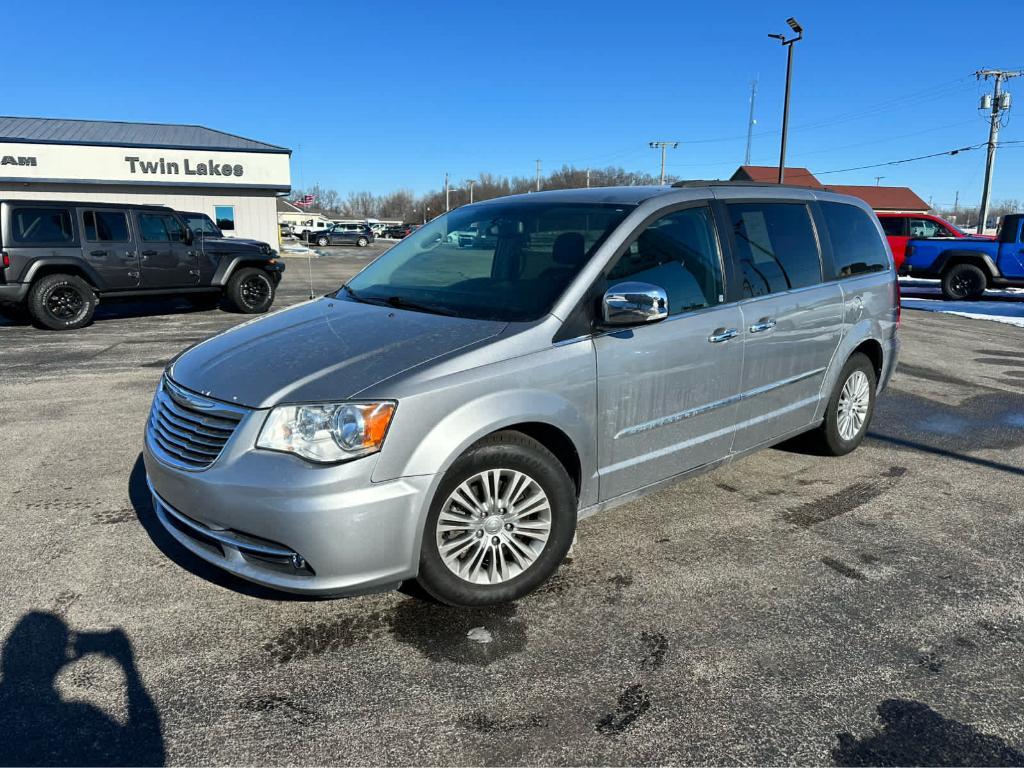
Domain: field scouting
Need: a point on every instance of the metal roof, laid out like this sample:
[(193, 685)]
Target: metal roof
[(45, 130)]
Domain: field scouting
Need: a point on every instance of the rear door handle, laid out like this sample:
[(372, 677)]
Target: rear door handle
[(149, 253), (762, 325), (97, 253), (723, 334)]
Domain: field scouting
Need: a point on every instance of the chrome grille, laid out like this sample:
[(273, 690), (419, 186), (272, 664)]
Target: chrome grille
[(189, 431)]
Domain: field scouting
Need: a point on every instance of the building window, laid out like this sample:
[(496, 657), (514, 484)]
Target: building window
[(225, 217)]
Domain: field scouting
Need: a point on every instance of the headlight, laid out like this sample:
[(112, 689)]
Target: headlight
[(327, 432)]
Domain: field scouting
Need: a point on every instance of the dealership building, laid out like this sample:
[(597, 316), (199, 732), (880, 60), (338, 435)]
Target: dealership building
[(235, 181)]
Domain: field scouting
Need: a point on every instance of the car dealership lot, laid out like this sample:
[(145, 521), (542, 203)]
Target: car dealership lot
[(786, 608)]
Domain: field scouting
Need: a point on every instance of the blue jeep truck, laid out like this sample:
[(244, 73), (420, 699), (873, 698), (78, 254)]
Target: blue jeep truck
[(967, 266)]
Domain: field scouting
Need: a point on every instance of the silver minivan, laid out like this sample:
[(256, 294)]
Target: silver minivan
[(451, 412)]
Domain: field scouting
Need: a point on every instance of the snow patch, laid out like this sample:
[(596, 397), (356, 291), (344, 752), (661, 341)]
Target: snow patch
[(479, 635)]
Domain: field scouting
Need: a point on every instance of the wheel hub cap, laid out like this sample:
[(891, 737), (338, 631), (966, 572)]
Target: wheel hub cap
[(493, 526), (853, 405)]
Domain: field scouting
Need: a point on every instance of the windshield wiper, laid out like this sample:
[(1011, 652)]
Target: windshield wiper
[(399, 303)]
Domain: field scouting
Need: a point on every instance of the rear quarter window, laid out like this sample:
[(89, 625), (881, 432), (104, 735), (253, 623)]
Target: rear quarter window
[(857, 248), (42, 225)]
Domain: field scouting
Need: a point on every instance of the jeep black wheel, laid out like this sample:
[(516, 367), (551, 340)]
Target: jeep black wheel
[(964, 282), (61, 302), (250, 291)]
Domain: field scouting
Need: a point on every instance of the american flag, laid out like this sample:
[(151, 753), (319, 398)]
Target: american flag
[(305, 201)]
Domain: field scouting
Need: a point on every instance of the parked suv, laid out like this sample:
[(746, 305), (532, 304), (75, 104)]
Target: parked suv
[(343, 234), (450, 413), (59, 259)]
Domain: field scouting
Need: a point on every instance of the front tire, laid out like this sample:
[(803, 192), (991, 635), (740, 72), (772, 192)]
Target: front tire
[(250, 291), (61, 302), (322, 242), (964, 282), (500, 523), (849, 409)]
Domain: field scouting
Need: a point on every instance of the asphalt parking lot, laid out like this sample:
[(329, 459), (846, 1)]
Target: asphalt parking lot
[(784, 609)]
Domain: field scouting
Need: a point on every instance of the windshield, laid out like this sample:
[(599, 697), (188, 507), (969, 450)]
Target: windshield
[(493, 261), (203, 223)]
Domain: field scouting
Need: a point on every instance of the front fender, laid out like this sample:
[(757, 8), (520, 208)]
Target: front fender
[(433, 427)]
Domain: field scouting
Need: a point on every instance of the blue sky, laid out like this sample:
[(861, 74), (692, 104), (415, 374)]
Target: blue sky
[(381, 96)]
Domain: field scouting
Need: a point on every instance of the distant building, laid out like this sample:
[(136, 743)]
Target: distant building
[(879, 198), (187, 167)]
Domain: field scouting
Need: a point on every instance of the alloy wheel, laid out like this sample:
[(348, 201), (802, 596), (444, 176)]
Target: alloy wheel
[(254, 291), (493, 526), (854, 401), (66, 304)]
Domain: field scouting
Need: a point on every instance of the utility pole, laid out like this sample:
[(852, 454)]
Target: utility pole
[(956, 206), (470, 183), (447, 199), (750, 121), (663, 145), (588, 178), (878, 179), (789, 77), (1000, 102), (538, 175)]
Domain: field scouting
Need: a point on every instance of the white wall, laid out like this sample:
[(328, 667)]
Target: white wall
[(255, 209)]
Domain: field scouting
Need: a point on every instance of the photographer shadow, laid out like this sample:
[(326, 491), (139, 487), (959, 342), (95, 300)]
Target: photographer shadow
[(40, 727)]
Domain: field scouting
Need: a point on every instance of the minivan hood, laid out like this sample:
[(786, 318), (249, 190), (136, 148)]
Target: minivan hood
[(322, 350)]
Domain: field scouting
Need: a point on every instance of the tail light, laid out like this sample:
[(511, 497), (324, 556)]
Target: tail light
[(5, 259), (899, 304)]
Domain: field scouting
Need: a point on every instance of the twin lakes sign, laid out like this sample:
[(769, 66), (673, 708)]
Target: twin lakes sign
[(81, 164)]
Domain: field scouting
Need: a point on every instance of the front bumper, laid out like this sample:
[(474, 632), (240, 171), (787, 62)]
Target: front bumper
[(278, 521)]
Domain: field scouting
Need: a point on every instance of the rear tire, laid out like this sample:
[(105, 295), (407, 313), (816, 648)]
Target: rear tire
[(362, 242), (250, 291), (964, 282), (850, 409), (520, 526), (61, 302)]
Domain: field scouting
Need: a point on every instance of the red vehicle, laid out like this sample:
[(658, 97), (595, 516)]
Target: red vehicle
[(900, 227)]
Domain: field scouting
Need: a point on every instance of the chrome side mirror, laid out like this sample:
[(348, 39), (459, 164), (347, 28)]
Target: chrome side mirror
[(634, 304)]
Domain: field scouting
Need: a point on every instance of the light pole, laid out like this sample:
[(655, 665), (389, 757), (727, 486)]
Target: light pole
[(470, 183), (663, 145), (789, 76)]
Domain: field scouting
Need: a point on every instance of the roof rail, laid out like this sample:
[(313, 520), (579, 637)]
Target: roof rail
[(738, 183)]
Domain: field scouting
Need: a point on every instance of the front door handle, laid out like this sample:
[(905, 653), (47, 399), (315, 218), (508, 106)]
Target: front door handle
[(762, 325), (149, 253), (723, 334)]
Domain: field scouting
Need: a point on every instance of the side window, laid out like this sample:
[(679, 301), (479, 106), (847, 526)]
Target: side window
[(152, 228), (42, 225), (927, 228), (224, 216), (678, 252), (856, 246), (893, 226), (106, 226), (175, 229), (776, 249)]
